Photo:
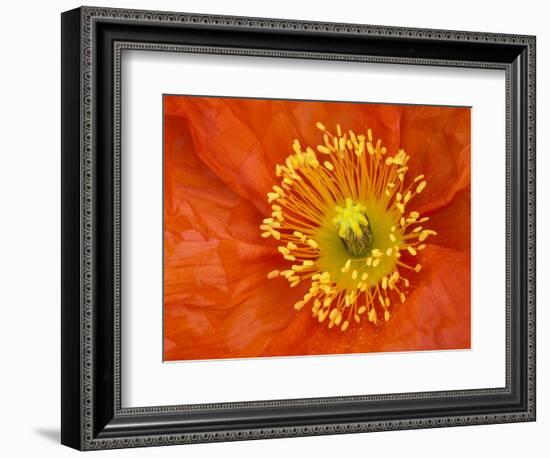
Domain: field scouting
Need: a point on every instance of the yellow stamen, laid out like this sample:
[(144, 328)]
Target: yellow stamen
[(273, 274), (343, 223)]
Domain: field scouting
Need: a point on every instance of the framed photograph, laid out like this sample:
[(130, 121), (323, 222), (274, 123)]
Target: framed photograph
[(276, 228)]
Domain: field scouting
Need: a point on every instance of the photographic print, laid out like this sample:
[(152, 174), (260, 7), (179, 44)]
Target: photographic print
[(296, 228)]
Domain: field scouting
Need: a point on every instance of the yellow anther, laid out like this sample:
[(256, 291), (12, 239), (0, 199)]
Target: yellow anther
[(283, 250), (370, 148), (278, 215), (273, 274), (372, 315), (328, 165), (400, 158), (296, 147), (299, 305), (320, 126), (420, 187), (361, 148), (326, 288)]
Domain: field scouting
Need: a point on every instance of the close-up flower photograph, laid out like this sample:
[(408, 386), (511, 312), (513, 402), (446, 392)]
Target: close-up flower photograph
[(296, 228)]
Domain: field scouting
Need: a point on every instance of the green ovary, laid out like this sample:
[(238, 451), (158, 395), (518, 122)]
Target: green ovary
[(373, 237)]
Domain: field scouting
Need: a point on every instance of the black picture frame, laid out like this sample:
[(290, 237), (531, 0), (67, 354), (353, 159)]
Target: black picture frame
[(92, 42)]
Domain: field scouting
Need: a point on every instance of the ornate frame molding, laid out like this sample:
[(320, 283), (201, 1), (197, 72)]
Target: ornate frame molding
[(89, 435)]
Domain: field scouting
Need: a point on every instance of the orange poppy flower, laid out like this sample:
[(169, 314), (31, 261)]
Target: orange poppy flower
[(233, 290)]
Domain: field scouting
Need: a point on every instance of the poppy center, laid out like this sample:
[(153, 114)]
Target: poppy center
[(354, 228), (341, 216)]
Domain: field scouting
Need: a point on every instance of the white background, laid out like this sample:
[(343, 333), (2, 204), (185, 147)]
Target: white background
[(30, 245), (147, 75)]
